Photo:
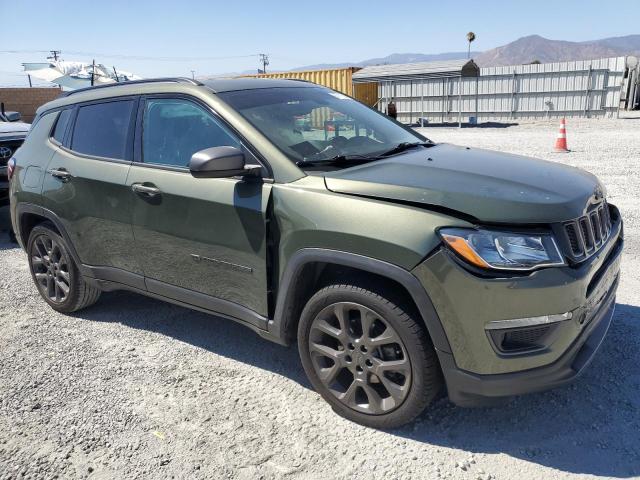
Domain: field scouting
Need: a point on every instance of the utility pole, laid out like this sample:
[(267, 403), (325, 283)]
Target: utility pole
[(93, 73), (264, 59), (193, 74), (470, 38), (54, 55)]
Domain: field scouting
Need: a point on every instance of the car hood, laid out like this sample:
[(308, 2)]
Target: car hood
[(489, 186), (14, 128)]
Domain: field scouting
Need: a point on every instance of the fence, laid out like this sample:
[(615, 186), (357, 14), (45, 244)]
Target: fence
[(27, 100), (590, 88)]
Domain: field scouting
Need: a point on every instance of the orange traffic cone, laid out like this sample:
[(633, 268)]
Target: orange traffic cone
[(561, 141)]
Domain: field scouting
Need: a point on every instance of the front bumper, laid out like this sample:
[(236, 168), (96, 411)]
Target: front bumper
[(468, 389), (474, 369)]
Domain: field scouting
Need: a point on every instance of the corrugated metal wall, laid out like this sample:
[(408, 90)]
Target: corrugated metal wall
[(580, 88), (338, 79)]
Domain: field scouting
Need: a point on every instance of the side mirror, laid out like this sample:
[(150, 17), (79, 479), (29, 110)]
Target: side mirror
[(13, 116), (221, 162)]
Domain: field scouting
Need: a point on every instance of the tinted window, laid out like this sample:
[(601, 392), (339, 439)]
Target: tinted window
[(103, 129), (173, 130), (61, 125)]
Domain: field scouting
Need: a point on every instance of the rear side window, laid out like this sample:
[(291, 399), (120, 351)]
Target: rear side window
[(103, 130), (175, 129), (61, 125)]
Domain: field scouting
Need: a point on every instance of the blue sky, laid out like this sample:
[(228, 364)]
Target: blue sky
[(293, 33)]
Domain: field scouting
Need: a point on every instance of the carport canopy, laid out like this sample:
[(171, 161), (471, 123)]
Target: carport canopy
[(417, 71)]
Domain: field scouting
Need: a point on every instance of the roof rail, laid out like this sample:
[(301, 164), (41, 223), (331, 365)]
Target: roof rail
[(136, 82)]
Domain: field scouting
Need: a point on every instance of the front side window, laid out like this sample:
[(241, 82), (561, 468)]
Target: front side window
[(103, 129), (313, 124), (174, 129)]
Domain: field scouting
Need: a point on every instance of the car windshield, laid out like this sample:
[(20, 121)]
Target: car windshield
[(316, 125)]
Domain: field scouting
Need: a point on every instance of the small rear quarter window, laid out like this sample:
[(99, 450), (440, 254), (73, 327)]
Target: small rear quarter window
[(61, 125)]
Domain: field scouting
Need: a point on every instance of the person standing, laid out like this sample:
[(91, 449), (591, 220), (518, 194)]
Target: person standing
[(391, 110)]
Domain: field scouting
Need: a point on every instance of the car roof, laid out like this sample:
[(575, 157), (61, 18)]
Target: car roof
[(220, 85), (169, 85)]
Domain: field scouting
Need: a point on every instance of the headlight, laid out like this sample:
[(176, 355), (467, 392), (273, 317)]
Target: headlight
[(491, 249)]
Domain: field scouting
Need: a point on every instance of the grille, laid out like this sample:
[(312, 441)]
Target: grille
[(588, 233), (12, 145), (524, 338)]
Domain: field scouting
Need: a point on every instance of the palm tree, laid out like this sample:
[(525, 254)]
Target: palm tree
[(470, 38)]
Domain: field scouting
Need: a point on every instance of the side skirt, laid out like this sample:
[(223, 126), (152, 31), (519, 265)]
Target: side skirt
[(184, 298)]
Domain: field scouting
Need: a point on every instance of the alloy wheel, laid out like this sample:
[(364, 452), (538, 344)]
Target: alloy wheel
[(50, 267), (360, 358)]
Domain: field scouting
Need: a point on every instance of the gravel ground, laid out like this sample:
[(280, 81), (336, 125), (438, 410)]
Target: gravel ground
[(135, 388)]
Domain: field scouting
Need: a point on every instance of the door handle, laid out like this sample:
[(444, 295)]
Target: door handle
[(60, 173), (145, 190)]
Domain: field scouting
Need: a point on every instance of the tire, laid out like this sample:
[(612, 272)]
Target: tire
[(386, 395), (55, 273)]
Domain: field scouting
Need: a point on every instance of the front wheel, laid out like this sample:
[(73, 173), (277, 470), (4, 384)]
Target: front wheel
[(367, 356)]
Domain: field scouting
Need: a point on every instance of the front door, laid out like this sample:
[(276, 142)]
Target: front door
[(201, 241)]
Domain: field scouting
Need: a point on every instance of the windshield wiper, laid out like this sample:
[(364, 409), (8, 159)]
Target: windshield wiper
[(337, 159), (401, 147)]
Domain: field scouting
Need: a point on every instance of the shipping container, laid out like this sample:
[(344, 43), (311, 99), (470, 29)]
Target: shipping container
[(340, 79)]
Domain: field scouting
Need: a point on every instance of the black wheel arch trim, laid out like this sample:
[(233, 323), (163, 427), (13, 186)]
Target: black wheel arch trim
[(91, 272), (30, 208), (280, 326)]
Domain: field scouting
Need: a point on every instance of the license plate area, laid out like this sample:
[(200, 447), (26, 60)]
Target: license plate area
[(600, 286)]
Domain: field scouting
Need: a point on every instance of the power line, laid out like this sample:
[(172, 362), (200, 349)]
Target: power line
[(162, 59), (133, 57)]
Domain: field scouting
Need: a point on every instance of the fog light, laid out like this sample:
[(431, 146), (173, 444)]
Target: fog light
[(524, 335)]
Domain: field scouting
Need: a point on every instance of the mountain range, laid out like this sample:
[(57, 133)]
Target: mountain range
[(535, 47), (523, 50)]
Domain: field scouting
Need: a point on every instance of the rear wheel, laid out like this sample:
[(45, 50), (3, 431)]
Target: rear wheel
[(55, 273), (367, 357)]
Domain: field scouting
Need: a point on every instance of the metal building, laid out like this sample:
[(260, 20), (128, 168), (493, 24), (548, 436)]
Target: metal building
[(454, 91)]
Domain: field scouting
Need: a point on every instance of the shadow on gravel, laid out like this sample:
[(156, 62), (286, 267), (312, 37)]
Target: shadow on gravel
[(5, 226), (6, 243), (590, 427), (215, 334)]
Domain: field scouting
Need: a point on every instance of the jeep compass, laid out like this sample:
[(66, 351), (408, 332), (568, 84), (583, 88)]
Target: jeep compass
[(401, 267)]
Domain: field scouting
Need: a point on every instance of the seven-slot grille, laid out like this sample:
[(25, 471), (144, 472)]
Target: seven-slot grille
[(587, 234)]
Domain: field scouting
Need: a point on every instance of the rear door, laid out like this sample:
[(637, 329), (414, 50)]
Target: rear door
[(85, 184), (198, 240)]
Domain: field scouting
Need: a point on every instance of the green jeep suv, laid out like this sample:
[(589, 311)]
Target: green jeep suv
[(399, 266)]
